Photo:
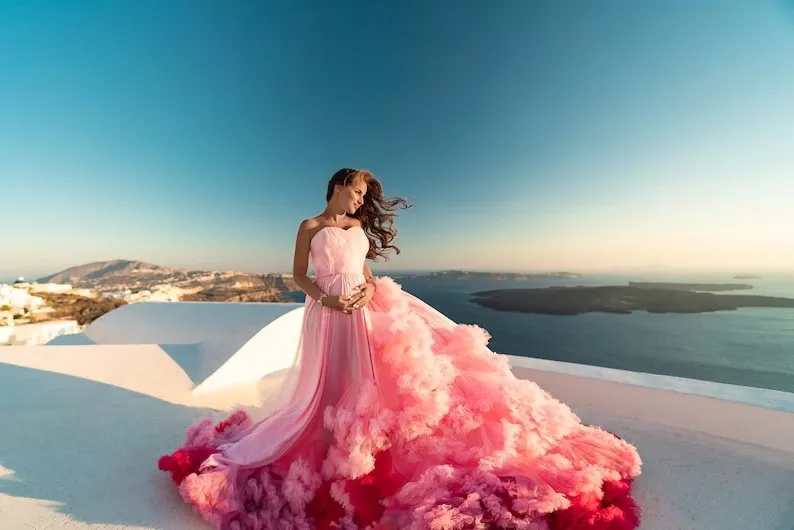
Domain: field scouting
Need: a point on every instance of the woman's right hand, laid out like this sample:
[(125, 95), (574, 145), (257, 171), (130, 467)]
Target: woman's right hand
[(342, 303)]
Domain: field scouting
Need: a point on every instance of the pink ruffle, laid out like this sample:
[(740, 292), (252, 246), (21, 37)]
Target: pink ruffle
[(447, 438)]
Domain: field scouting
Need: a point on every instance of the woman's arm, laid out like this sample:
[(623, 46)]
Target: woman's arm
[(365, 291), (300, 261), (368, 275)]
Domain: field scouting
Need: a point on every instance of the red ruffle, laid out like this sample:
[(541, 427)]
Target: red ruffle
[(185, 461), (365, 495), (616, 510)]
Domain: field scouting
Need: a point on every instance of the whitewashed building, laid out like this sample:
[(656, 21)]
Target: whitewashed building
[(14, 297), (50, 288), (37, 333)]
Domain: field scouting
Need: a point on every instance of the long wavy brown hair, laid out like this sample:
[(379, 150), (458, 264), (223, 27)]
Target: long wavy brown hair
[(376, 214)]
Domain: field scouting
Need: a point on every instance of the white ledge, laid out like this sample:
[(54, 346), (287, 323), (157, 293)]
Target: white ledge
[(760, 397)]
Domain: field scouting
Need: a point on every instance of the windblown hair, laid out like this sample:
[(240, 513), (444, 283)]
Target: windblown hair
[(376, 214)]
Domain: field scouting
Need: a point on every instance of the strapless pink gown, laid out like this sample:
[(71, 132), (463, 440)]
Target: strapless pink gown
[(399, 418)]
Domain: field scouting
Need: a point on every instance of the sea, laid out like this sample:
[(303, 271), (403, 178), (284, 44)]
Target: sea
[(749, 346)]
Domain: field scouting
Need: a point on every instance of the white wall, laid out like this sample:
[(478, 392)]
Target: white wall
[(270, 350)]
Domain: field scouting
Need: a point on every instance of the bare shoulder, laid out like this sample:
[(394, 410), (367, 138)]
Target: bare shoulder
[(356, 222), (307, 225)]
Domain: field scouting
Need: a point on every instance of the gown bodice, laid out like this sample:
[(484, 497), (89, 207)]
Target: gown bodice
[(335, 250)]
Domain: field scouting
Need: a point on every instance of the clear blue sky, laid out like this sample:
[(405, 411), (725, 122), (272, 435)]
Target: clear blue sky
[(530, 136)]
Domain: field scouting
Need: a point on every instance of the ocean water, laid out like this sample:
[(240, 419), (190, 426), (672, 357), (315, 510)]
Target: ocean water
[(750, 347)]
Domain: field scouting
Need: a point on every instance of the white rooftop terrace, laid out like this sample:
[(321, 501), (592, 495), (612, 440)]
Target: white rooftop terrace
[(84, 419)]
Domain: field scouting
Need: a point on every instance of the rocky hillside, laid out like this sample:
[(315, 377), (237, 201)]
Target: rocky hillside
[(127, 278), (102, 270), (71, 307)]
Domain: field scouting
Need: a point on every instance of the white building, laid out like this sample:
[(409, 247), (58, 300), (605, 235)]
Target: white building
[(158, 293), (87, 293), (50, 287), (14, 297), (37, 333), (6, 334)]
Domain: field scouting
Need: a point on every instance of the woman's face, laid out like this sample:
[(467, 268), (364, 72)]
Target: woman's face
[(351, 197)]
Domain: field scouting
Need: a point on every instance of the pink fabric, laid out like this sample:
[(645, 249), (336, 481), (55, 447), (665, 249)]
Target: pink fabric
[(400, 418)]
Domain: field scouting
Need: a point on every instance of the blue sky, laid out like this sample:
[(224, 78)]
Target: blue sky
[(529, 136)]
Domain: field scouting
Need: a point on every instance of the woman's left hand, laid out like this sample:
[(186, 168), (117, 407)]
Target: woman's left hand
[(362, 295)]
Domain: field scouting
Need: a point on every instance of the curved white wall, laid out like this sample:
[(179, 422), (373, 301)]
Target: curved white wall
[(185, 322), (270, 350), (199, 336), (72, 339), (761, 397)]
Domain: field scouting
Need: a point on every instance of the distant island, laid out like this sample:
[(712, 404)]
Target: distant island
[(484, 275), (746, 277), (709, 287), (622, 299)]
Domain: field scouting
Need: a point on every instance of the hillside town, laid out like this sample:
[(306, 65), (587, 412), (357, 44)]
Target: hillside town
[(35, 313), (38, 311), (25, 316)]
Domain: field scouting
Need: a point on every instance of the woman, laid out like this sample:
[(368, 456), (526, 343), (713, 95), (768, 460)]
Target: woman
[(396, 417)]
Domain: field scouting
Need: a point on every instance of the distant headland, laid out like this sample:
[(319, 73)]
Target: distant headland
[(708, 287), (455, 274), (624, 299)]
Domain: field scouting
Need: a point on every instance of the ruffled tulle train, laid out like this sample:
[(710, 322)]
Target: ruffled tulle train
[(430, 431)]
